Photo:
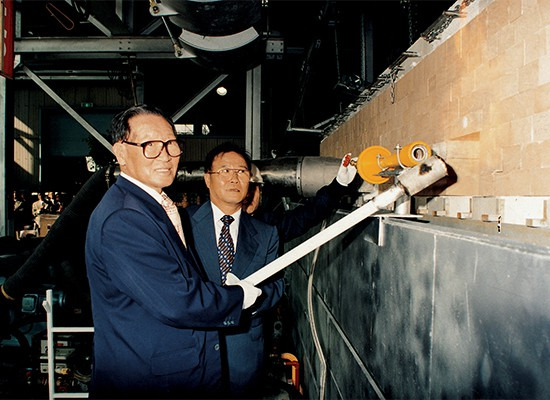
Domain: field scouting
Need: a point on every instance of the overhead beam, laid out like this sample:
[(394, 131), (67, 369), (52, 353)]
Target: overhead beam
[(161, 46), (91, 130), (105, 17), (198, 97), (253, 127)]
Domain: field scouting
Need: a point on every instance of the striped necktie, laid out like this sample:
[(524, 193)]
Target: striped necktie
[(226, 252), (173, 214)]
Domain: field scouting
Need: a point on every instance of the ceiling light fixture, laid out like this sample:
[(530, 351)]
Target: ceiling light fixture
[(222, 91)]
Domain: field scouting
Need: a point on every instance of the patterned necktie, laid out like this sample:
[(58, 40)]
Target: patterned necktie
[(173, 214), (226, 252)]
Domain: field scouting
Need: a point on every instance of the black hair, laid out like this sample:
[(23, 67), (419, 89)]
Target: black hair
[(120, 128), (223, 148)]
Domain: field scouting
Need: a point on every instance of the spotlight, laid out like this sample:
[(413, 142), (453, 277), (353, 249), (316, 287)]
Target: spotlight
[(221, 91)]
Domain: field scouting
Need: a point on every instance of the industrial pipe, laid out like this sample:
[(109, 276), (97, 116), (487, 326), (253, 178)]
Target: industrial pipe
[(303, 176), (66, 235), (376, 161), (409, 182)]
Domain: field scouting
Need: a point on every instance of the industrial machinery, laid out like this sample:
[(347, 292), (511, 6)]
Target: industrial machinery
[(376, 164), (409, 182), (220, 35)]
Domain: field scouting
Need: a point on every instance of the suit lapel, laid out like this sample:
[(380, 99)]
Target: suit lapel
[(247, 245), (205, 241), (153, 208), (204, 236)]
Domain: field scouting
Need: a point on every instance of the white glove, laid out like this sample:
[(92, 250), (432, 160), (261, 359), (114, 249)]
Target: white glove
[(251, 292), (346, 172)]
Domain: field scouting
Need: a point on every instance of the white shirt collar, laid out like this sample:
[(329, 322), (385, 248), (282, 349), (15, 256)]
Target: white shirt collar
[(233, 228), (218, 214), (149, 190)]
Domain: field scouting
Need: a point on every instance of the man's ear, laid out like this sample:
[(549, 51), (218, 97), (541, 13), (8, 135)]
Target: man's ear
[(207, 180), (120, 153)]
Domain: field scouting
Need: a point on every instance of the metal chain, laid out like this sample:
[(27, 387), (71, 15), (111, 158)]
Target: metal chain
[(411, 27), (393, 78), (337, 50), (406, 4)]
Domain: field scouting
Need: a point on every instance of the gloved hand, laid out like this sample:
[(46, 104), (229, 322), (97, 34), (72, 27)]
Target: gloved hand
[(251, 292), (346, 172)]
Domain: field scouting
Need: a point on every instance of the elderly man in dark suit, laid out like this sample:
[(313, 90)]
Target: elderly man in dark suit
[(253, 245), (156, 319)]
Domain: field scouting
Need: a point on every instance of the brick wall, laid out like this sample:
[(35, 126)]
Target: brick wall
[(480, 98)]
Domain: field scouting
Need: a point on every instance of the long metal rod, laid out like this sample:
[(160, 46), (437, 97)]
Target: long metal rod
[(48, 306), (190, 104), (95, 22), (350, 220), (411, 181), (68, 108), (50, 331), (253, 112), (4, 228)]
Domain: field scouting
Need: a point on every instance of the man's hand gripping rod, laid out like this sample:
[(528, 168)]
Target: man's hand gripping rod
[(409, 182)]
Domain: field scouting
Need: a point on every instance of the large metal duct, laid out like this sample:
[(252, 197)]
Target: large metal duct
[(221, 34), (305, 175), (302, 176)]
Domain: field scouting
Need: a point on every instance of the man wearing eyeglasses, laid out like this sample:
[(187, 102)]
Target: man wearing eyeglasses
[(155, 315), (297, 221), (223, 234)]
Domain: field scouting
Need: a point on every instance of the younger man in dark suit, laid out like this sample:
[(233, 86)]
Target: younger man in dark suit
[(253, 244)]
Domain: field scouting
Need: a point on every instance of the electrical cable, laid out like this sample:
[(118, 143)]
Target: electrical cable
[(315, 335), (132, 82), (67, 24), (68, 232)]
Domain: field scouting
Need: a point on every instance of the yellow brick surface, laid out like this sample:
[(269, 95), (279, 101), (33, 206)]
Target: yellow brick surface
[(537, 179), (467, 176), (541, 126), (528, 76), (492, 78), (543, 148), (514, 10), (463, 149), (532, 156), (534, 46), (544, 70), (512, 157), (497, 17), (520, 183), (543, 8), (521, 130)]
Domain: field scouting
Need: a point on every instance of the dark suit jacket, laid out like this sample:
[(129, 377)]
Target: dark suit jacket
[(294, 223), (257, 245), (155, 317)]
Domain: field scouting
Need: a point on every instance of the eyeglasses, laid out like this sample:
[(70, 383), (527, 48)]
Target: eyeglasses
[(153, 148), (227, 173)]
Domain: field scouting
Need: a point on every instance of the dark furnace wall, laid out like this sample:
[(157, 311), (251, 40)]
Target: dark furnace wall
[(414, 309)]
